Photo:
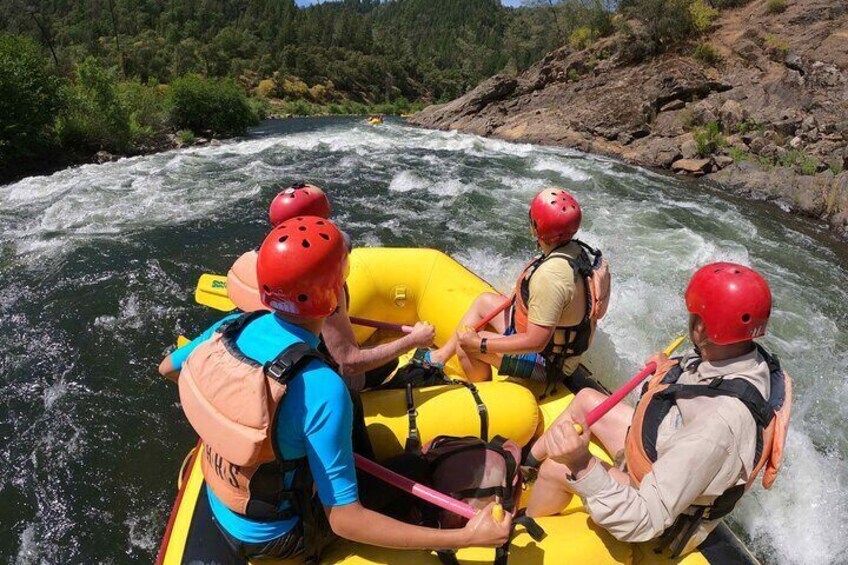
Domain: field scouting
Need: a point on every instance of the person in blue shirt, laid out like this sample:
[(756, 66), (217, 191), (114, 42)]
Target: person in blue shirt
[(301, 268)]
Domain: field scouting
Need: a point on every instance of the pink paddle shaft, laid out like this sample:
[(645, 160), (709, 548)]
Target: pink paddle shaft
[(376, 324), (601, 409), (416, 489), (491, 315)]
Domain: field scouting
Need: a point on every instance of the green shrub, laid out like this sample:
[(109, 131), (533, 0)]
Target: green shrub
[(186, 137), (573, 74), (666, 21), (708, 138), (799, 161), (581, 38), (776, 6), (217, 106), (29, 99), (260, 107), (707, 54), (779, 46), (702, 15), (95, 118), (738, 155), (148, 114)]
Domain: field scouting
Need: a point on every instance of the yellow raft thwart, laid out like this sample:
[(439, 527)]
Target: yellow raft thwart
[(405, 286)]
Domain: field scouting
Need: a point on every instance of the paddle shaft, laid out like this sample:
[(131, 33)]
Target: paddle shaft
[(416, 489), (377, 324), (491, 315)]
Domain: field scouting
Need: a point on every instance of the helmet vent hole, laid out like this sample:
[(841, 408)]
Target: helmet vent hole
[(746, 318), (564, 208), (320, 223), (737, 272), (324, 236), (291, 194), (266, 288), (302, 297), (302, 228), (283, 239), (305, 243), (299, 218)]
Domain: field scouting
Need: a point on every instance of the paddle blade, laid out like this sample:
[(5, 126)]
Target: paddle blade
[(182, 340), (212, 291), (672, 347)]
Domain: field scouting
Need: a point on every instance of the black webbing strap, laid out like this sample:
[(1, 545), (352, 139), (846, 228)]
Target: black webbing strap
[(482, 411), (290, 362), (413, 439), (740, 389)]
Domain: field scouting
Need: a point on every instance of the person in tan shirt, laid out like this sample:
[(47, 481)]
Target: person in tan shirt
[(699, 436), (550, 324)]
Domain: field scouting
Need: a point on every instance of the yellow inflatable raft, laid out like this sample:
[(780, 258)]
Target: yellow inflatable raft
[(405, 286)]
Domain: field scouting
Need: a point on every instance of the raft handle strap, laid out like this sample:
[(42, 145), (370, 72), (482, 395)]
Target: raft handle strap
[(413, 440)]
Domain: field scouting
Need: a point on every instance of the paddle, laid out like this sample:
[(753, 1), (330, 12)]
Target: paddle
[(491, 315), (601, 409), (424, 493), (212, 291)]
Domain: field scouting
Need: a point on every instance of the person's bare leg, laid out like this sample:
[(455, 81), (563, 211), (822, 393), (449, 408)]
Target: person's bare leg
[(478, 366), (551, 493), (479, 309)]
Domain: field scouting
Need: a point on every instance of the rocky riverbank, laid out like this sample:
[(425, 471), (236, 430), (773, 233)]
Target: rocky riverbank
[(759, 105)]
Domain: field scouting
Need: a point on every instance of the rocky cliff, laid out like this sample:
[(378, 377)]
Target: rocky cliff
[(767, 116)]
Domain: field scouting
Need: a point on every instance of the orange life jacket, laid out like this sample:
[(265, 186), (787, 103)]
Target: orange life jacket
[(231, 401), (770, 416), (567, 341)]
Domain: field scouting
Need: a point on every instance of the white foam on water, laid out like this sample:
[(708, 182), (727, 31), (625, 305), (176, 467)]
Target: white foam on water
[(564, 170), (406, 181)]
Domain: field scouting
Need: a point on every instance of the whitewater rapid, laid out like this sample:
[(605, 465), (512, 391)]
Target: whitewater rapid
[(98, 264)]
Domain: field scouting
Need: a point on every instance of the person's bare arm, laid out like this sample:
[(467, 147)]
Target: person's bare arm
[(356, 523), (534, 340), (354, 360), (167, 369)]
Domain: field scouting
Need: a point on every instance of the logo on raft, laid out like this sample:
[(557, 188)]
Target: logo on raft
[(219, 284)]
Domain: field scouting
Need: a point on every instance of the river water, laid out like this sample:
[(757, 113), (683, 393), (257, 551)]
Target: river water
[(98, 264)]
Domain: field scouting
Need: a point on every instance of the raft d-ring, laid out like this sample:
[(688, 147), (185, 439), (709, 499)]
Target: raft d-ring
[(181, 476), (400, 296)]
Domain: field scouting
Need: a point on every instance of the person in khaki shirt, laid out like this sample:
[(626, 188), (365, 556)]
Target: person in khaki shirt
[(704, 450), (549, 325)]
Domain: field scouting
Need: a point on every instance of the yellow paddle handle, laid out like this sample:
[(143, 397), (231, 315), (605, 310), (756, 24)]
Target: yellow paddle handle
[(498, 513)]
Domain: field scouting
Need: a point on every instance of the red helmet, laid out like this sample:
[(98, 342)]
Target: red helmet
[(734, 302), (555, 215), (302, 267), (299, 200)]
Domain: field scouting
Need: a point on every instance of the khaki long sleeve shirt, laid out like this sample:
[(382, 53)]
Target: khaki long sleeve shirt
[(704, 447)]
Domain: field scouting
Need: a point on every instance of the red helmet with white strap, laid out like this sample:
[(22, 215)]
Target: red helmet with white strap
[(734, 302), (555, 215), (299, 200), (301, 267)]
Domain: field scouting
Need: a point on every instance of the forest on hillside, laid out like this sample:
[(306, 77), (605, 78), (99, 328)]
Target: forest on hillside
[(364, 50)]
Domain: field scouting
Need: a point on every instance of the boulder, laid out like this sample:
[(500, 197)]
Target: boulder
[(809, 123), (692, 166), (673, 105), (722, 161), (795, 142), (757, 145), (732, 113), (785, 127), (689, 149)]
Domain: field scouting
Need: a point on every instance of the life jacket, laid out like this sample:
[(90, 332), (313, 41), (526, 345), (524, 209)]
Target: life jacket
[(770, 416), (242, 286), (232, 402), (567, 341)]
